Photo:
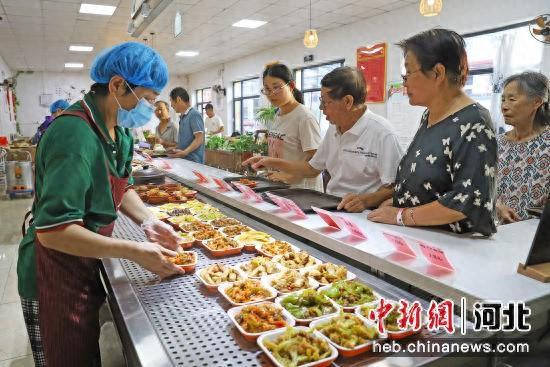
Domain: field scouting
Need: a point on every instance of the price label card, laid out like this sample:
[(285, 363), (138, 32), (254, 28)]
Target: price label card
[(435, 256), (295, 208), (326, 216), (350, 226), (279, 202), (400, 244), (165, 165), (248, 193), (202, 178), (220, 184)]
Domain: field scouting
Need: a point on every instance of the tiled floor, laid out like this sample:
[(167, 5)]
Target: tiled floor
[(15, 349)]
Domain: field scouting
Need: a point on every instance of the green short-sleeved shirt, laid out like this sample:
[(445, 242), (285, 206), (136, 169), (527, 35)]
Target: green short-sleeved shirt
[(72, 182)]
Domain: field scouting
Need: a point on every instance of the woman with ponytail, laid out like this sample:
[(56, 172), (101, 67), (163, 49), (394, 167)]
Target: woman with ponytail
[(295, 134), (523, 153)]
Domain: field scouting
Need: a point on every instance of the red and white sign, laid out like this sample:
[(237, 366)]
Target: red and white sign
[(248, 193), (222, 185), (435, 256), (400, 244), (350, 226), (326, 216), (279, 202), (202, 178), (295, 208)]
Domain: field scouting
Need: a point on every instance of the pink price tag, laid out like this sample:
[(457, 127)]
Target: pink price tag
[(219, 183), (295, 208), (202, 178), (350, 226), (435, 256), (279, 202), (165, 165), (249, 193), (243, 190), (326, 216), (400, 244)]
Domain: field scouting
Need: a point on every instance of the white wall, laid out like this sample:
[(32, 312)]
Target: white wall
[(463, 16), (7, 126), (67, 85)]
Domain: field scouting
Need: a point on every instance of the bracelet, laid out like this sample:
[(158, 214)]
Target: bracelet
[(411, 215), (399, 217)]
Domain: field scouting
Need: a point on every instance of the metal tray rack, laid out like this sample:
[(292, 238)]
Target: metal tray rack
[(192, 324)]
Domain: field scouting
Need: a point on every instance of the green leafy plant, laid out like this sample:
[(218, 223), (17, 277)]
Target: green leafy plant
[(266, 116), (216, 143)]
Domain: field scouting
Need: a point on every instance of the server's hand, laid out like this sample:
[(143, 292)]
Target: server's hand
[(506, 214), (153, 257), (161, 233)]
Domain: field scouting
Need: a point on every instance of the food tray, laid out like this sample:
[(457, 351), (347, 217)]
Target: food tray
[(312, 283), (351, 308), (262, 183), (306, 198), (252, 337), (249, 246), (337, 307), (349, 275), (214, 287), (189, 268), (222, 253), (263, 253), (350, 352), (272, 335), (278, 266), (224, 287), (315, 260)]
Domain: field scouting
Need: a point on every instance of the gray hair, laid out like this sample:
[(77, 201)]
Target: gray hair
[(534, 85)]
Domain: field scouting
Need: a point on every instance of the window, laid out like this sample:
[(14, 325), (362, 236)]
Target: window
[(308, 80), (246, 100), (204, 96), (493, 56)]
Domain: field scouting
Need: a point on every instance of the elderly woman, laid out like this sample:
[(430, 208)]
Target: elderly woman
[(447, 177), (82, 172), (166, 132), (524, 152)]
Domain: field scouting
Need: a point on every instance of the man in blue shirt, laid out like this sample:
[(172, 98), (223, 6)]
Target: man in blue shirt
[(191, 129)]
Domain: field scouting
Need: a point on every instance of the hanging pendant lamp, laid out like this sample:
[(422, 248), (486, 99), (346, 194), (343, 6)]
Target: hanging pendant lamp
[(430, 8), (310, 36)]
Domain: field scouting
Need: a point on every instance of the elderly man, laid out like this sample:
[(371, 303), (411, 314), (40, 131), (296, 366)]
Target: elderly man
[(191, 129), (360, 151)]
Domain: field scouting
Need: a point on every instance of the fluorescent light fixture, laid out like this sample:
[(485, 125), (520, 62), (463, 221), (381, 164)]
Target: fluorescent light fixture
[(187, 53), (79, 48), (249, 23), (74, 65), (97, 9)]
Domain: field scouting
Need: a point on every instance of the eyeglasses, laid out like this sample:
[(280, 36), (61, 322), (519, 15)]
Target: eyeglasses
[(323, 103), (405, 77), (276, 90)]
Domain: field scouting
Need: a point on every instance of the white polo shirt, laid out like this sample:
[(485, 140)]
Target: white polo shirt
[(362, 159)]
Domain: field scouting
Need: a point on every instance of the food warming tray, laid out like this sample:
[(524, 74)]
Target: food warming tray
[(262, 184)]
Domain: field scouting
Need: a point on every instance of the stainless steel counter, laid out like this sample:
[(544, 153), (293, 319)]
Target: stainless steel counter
[(177, 322), (485, 267)]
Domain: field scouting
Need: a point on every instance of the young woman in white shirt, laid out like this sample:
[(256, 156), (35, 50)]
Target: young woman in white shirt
[(295, 133)]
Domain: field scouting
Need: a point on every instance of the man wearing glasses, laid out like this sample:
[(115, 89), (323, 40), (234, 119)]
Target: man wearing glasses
[(360, 150)]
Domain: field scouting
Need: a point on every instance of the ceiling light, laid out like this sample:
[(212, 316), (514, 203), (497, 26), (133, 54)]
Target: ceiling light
[(249, 23), (97, 9), (74, 65), (81, 48), (430, 8), (310, 36), (187, 53)]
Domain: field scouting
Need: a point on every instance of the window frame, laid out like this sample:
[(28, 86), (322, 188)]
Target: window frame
[(200, 105), (302, 68), (240, 100)]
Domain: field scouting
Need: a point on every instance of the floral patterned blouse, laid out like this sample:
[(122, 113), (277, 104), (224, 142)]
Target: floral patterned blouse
[(524, 173), (453, 162)]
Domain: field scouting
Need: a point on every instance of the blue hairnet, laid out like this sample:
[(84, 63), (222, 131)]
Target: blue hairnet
[(137, 63), (60, 104)]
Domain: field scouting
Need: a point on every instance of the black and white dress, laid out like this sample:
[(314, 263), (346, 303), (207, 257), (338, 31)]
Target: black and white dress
[(453, 162)]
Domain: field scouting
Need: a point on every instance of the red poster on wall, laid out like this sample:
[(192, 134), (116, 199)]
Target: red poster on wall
[(371, 60)]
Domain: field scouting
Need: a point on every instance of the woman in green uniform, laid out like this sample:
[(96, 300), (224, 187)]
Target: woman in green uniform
[(82, 169)]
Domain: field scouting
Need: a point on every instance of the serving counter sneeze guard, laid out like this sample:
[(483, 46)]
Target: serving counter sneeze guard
[(178, 322)]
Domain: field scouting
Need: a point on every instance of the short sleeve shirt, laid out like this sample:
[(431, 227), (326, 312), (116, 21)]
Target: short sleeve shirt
[(213, 124), (170, 134), (362, 159), (292, 135), (523, 179), (453, 162), (72, 182), (191, 123)]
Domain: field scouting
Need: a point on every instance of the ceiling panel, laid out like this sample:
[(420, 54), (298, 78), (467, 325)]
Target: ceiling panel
[(48, 27)]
